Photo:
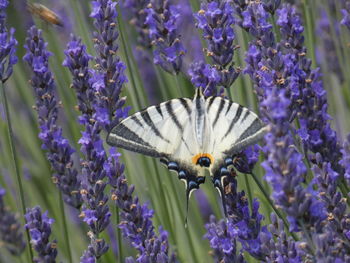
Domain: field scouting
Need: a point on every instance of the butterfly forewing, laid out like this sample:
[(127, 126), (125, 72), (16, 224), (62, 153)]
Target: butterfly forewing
[(156, 131), (233, 126)]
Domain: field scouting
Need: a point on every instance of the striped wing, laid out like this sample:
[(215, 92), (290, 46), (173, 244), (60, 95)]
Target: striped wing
[(234, 126), (157, 131)]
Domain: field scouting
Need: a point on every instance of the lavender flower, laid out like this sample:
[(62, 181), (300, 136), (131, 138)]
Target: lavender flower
[(8, 45), (223, 238), (95, 211), (345, 161), (59, 152), (205, 76), (346, 15), (137, 227), (109, 78), (306, 86), (10, 229), (216, 20), (162, 19), (282, 248), (285, 170), (39, 226), (242, 225)]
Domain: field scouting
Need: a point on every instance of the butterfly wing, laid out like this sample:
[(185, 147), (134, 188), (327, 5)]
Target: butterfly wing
[(156, 131), (234, 126)]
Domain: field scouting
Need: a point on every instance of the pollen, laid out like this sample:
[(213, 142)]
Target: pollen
[(200, 155)]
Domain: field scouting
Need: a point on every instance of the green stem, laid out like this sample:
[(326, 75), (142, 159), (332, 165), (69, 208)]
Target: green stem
[(249, 191), (178, 85), (65, 228), (16, 166), (308, 238), (119, 236), (278, 213)]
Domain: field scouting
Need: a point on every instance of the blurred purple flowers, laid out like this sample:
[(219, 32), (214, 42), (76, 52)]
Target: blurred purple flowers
[(10, 228), (8, 45), (39, 226)]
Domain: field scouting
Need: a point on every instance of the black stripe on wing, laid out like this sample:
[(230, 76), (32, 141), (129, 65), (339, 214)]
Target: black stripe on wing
[(218, 113), (147, 118), (251, 135), (170, 111), (253, 128), (122, 136), (234, 121)]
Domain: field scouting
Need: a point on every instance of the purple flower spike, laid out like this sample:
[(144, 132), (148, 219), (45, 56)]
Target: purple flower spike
[(281, 248), (216, 20), (109, 76), (242, 225), (59, 152), (10, 229), (346, 15), (162, 19), (39, 226), (7, 46), (223, 237), (345, 161), (137, 227), (205, 76)]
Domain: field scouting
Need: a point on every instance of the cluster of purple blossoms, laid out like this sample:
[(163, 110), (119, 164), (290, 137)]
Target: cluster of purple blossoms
[(216, 20), (10, 229), (317, 136), (137, 227), (95, 211), (204, 76), (346, 15), (8, 45), (109, 76), (39, 226), (162, 18), (345, 161), (59, 152)]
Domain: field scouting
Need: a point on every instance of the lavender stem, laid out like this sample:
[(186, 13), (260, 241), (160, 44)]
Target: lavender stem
[(278, 213), (15, 161), (119, 235), (65, 229)]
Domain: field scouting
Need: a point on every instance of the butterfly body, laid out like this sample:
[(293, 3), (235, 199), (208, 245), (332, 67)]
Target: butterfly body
[(191, 135)]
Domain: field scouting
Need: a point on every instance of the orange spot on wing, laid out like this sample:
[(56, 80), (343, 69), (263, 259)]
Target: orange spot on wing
[(197, 156)]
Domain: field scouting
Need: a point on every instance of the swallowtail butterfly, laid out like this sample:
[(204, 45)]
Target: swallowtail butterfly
[(189, 135)]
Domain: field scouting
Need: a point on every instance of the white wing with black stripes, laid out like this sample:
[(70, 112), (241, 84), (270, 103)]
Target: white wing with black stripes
[(161, 131), (235, 127)]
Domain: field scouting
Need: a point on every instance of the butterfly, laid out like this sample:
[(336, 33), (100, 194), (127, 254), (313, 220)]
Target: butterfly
[(189, 135)]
